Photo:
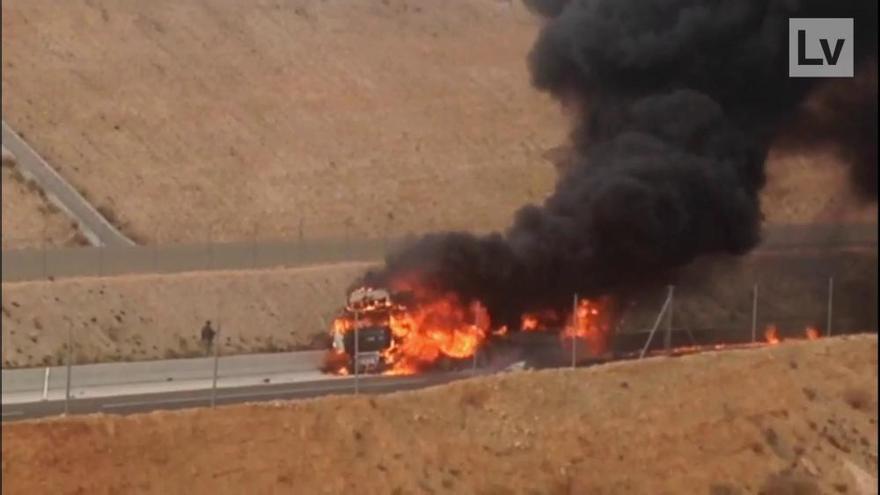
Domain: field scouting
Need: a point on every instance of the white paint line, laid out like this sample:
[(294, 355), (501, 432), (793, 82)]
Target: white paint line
[(249, 395), (12, 413)]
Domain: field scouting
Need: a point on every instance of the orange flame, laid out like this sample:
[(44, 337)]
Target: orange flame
[(812, 333), (529, 323), (771, 335), (442, 326), (586, 324)]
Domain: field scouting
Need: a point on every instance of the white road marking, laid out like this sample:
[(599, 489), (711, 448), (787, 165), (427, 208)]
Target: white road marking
[(248, 395), (12, 413)]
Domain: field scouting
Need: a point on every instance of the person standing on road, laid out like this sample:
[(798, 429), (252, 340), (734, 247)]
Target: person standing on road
[(208, 336)]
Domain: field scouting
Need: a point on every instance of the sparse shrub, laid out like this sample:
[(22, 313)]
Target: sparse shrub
[(857, 398), (109, 214)]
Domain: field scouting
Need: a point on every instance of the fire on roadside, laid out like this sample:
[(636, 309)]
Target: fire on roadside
[(442, 326), (437, 327), (771, 334)]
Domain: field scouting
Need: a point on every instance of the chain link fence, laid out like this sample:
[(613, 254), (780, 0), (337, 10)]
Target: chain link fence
[(41, 260)]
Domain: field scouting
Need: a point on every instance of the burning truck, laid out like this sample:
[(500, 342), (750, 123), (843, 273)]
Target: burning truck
[(380, 331), (405, 332), (362, 334)]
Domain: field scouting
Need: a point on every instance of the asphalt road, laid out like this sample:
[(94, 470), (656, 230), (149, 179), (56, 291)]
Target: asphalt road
[(129, 404), (95, 227)]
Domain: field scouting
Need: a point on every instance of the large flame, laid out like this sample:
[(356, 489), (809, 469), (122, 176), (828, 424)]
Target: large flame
[(586, 325), (442, 326), (438, 327)]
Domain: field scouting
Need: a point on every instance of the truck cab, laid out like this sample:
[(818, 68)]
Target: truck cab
[(365, 333)]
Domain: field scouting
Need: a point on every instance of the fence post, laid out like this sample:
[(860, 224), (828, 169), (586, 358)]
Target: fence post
[(254, 248), (755, 313), (46, 384), (574, 324), (357, 353), (69, 367), (45, 245), (155, 249), (101, 260), (216, 365), (654, 328), (667, 338), (830, 303), (474, 363)]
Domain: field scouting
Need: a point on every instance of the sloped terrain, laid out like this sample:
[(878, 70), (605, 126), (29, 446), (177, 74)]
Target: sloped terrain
[(159, 316), (794, 418), (274, 119), (29, 219), (266, 118)]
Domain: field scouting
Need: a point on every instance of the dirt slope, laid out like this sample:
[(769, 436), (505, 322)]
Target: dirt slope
[(397, 115), (29, 219), (159, 316), (270, 119), (796, 418)]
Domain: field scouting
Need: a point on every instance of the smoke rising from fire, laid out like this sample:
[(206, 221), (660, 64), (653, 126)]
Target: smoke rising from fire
[(678, 104)]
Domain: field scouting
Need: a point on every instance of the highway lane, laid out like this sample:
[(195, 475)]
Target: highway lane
[(128, 404)]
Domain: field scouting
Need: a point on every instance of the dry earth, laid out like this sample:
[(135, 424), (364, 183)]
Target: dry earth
[(393, 115), (273, 119), (797, 418), (159, 316), (29, 219)]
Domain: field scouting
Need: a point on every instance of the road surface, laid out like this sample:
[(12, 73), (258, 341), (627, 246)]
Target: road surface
[(127, 404), (95, 227)]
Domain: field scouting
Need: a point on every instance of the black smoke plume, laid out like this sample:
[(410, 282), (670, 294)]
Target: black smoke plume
[(679, 101)]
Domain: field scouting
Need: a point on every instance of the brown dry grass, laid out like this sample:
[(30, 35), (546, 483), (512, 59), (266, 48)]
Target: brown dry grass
[(267, 120), (811, 188), (394, 115), (159, 316), (771, 421), (29, 219)]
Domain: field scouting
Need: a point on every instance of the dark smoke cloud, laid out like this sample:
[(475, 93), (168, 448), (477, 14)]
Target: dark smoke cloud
[(679, 102)]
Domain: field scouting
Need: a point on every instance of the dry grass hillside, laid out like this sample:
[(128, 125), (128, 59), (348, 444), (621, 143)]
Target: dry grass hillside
[(323, 118), (393, 115), (811, 188), (797, 418), (29, 219), (159, 316)]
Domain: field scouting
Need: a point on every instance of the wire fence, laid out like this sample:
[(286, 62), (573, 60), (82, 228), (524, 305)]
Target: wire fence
[(830, 298), (41, 260)]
